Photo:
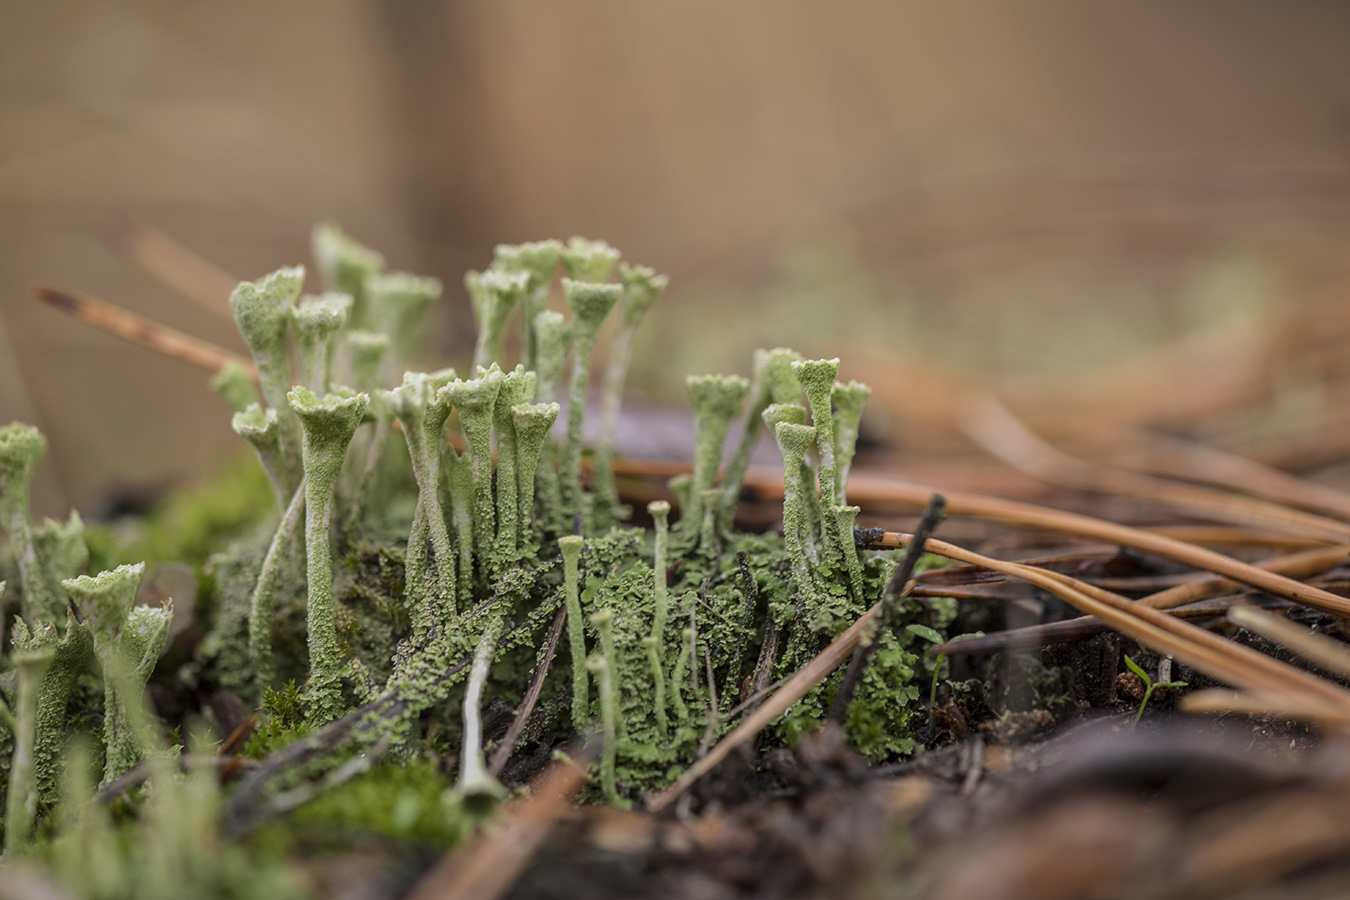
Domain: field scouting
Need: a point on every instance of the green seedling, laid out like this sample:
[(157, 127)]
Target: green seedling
[(1149, 688)]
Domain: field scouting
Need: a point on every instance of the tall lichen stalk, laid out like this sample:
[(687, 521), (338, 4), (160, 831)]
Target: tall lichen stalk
[(460, 543)]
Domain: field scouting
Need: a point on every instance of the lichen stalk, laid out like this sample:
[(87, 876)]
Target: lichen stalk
[(21, 449), (262, 429), (328, 424), (599, 666), (262, 312), (603, 622), (494, 294), (588, 260), (570, 546), (539, 259), (771, 381), (422, 411), (126, 642), (345, 265), (641, 286), (590, 304), (660, 513), (532, 422), (552, 339), (844, 517), (517, 388), (315, 322), (848, 400), (716, 400), (474, 780), (475, 401), (816, 377), (460, 476), (262, 600), (22, 795), (233, 384), (398, 307), (649, 644), (793, 443), (73, 650), (677, 676)]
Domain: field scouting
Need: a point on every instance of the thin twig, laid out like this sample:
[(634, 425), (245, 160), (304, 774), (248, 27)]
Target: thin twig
[(170, 262), (508, 744), (141, 331), (1298, 565), (999, 431), (1221, 659), (999, 510), (890, 602)]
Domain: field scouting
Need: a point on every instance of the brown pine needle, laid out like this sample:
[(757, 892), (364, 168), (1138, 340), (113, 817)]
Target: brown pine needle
[(1221, 659), (1296, 565), (1000, 432), (1178, 458), (170, 262), (1317, 649), (140, 331), (1218, 701), (486, 866), (1012, 511)]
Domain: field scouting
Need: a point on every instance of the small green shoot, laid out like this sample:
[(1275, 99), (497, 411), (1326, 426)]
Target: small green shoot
[(1149, 688)]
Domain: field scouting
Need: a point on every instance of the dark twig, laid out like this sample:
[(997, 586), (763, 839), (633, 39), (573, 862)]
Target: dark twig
[(890, 602), (508, 744), (768, 655)]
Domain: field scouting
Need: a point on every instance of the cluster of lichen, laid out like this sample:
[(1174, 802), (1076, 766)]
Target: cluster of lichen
[(428, 567)]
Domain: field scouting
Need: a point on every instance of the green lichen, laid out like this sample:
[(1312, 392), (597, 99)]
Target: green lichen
[(459, 544)]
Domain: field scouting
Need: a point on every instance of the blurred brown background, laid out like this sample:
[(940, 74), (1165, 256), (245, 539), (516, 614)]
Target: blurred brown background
[(996, 187)]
